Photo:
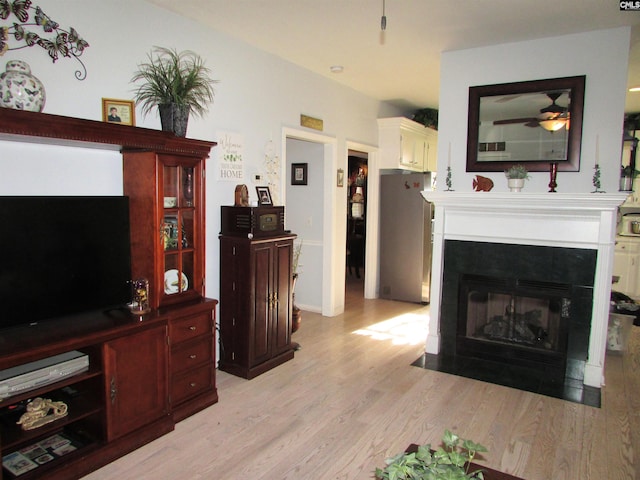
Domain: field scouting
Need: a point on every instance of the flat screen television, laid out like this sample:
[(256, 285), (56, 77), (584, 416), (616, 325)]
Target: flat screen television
[(62, 255)]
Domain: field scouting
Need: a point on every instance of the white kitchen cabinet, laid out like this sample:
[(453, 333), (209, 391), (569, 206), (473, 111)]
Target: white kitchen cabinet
[(407, 145), (626, 265)]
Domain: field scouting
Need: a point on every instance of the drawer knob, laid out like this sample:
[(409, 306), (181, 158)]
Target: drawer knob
[(192, 328), (192, 357), (192, 384)]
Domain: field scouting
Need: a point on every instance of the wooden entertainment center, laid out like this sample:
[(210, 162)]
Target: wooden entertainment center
[(145, 372)]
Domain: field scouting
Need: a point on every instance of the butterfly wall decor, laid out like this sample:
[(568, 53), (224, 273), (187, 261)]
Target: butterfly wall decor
[(60, 42)]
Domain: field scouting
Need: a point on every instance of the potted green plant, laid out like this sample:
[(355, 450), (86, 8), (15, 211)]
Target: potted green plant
[(516, 175), (427, 117), (452, 462), (178, 83)]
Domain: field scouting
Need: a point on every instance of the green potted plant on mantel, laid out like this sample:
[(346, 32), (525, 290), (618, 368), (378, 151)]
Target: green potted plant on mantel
[(178, 83), (516, 175), (452, 462)]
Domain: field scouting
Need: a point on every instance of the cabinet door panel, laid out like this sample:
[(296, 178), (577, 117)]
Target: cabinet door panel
[(282, 314), (263, 300), (136, 380)]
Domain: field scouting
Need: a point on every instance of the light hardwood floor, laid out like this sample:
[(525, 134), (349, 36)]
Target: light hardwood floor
[(350, 398)]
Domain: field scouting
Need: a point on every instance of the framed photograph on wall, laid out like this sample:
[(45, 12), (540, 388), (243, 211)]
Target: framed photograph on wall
[(118, 111), (264, 196), (299, 173)]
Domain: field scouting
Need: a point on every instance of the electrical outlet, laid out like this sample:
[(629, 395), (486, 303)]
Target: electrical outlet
[(309, 221)]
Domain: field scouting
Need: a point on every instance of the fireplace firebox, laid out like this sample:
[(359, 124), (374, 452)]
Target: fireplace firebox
[(514, 320)]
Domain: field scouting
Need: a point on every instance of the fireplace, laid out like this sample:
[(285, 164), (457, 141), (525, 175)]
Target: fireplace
[(521, 305), (539, 263)]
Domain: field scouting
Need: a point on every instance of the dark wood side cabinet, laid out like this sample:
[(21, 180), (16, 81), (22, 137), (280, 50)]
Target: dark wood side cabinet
[(146, 372), (255, 303)]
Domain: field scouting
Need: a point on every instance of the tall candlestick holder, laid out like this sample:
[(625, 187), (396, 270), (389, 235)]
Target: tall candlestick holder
[(596, 179), (447, 180), (553, 172)]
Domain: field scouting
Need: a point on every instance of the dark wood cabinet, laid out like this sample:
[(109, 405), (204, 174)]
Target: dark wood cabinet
[(167, 204), (255, 303), (146, 372), (166, 198), (120, 403)]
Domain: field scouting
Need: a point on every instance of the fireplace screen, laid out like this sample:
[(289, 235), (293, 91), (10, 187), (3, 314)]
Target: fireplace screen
[(514, 312)]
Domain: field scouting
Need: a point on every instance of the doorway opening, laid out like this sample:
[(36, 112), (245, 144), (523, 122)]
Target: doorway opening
[(357, 197)]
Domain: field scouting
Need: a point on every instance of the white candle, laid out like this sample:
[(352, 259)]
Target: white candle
[(449, 157), (597, 149)]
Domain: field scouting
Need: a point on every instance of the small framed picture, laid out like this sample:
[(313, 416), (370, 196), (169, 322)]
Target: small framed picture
[(264, 196), (340, 178), (299, 174), (118, 111)]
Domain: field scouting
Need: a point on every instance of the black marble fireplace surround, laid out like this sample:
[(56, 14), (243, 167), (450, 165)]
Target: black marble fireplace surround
[(572, 269)]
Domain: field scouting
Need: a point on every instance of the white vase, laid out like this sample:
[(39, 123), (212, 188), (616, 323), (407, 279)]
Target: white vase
[(19, 89), (515, 184)]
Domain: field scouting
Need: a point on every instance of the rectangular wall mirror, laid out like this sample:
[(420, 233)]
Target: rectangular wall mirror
[(533, 123)]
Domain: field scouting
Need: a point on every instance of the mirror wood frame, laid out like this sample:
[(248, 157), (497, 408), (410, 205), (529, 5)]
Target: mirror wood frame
[(576, 87)]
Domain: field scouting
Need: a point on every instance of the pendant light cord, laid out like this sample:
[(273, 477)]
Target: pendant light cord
[(383, 20)]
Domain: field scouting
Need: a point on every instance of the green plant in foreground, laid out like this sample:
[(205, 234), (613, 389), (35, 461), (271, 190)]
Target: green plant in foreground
[(449, 463)]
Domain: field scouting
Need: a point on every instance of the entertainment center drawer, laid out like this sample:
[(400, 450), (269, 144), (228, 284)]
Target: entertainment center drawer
[(189, 327), (191, 383), (192, 354)]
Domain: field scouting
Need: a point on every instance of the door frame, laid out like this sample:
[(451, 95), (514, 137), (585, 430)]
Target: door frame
[(372, 215), (334, 251), (332, 304)]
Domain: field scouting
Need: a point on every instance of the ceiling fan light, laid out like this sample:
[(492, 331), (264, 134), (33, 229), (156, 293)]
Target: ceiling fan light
[(553, 125)]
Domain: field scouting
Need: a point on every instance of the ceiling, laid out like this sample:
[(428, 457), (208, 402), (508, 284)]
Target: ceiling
[(402, 64)]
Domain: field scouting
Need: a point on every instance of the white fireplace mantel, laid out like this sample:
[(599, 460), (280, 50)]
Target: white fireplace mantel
[(547, 219)]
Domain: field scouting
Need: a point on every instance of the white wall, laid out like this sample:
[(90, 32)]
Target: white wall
[(257, 96), (601, 55), (304, 213)]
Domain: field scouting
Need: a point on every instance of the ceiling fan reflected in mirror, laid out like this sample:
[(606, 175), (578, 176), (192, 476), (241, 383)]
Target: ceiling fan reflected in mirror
[(552, 118)]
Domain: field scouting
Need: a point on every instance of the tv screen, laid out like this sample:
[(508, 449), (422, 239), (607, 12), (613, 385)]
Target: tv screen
[(62, 255)]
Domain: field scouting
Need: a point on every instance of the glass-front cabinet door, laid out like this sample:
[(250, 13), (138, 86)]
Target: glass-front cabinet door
[(181, 212)]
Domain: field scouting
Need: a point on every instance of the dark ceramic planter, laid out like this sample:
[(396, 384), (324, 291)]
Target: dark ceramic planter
[(174, 118)]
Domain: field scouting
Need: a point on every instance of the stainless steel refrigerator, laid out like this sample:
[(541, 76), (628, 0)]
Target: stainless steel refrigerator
[(405, 237)]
